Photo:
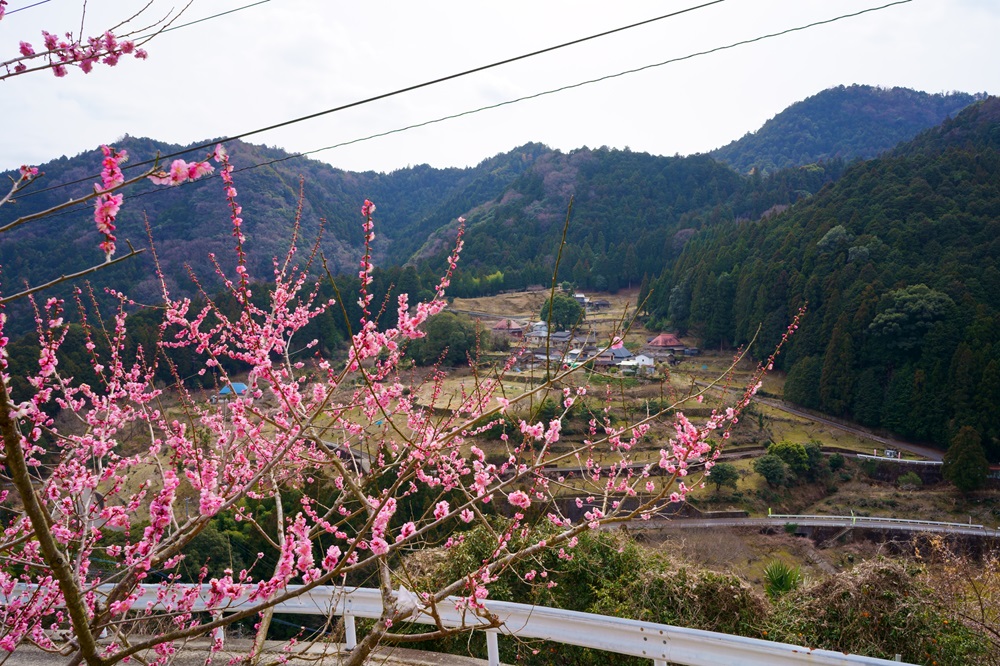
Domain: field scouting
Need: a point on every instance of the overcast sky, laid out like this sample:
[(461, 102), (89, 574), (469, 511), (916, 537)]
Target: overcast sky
[(283, 59)]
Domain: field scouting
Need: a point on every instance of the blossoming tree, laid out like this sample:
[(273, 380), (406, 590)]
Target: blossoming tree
[(350, 437)]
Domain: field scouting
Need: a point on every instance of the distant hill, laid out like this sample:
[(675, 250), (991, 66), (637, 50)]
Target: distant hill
[(632, 212), (899, 262), (844, 122), (190, 222), (632, 215)]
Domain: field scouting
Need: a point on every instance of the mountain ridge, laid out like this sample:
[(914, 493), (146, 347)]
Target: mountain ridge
[(898, 262), (846, 122)]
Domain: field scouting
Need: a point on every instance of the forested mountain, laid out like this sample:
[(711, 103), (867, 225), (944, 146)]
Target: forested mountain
[(843, 122), (633, 211), (191, 221), (898, 262), (632, 214)]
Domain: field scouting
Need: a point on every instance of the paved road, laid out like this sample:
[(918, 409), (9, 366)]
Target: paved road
[(195, 652), (868, 523)]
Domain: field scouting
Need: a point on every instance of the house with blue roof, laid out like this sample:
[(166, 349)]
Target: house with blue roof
[(230, 391)]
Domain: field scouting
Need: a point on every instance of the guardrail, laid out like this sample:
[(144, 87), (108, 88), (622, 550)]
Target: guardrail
[(874, 519), (660, 643), (900, 460)]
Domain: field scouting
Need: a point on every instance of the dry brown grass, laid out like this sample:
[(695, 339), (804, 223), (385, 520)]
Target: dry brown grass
[(528, 305)]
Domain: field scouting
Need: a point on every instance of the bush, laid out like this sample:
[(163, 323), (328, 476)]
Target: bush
[(724, 474), (837, 462), (685, 597), (879, 609), (870, 467), (781, 578), (909, 480), (773, 469), (609, 574), (794, 455)]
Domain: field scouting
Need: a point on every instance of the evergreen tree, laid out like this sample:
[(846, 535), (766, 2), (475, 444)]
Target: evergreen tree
[(794, 455), (867, 402), (802, 383), (772, 468), (642, 299), (724, 474), (562, 312), (987, 399), (896, 406), (837, 377), (965, 464)]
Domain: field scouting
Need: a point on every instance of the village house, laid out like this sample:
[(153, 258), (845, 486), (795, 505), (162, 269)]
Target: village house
[(640, 365), (600, 304), (612, 357), (537, 333), (508, 328), (664, 345), (228, 392)]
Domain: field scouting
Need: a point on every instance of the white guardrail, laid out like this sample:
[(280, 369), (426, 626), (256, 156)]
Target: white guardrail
[(873, 519), (900, 460), (659, 642)]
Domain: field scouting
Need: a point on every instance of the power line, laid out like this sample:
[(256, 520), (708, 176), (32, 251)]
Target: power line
[(518, 99), (207, 18), (582, 83), (575, 85), (398, 91), (21, 9)]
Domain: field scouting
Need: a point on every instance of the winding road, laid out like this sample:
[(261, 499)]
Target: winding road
[(927, 452)]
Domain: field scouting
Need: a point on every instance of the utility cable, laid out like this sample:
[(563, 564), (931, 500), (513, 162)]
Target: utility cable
[(21, 9), (206, 18), (521, 99), (578, 85), (394, 93)]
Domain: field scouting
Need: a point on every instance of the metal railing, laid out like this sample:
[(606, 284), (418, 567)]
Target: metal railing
[(899, 460), (873, 519), (660, 643)]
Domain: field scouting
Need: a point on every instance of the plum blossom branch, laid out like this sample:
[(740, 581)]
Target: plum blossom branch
[(61, 52)]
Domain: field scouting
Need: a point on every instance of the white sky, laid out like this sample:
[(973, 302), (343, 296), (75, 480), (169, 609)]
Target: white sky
[(288, 58)]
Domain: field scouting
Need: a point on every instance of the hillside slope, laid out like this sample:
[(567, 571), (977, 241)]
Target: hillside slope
[(898, 262), (191, 221), (844, 122)]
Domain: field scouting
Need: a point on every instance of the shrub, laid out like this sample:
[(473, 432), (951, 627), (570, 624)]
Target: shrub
[(724, 474), (878, 608), (794, 455), (909, 480), (781, 578), (772, 468), (687, 597), (836, 461)]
